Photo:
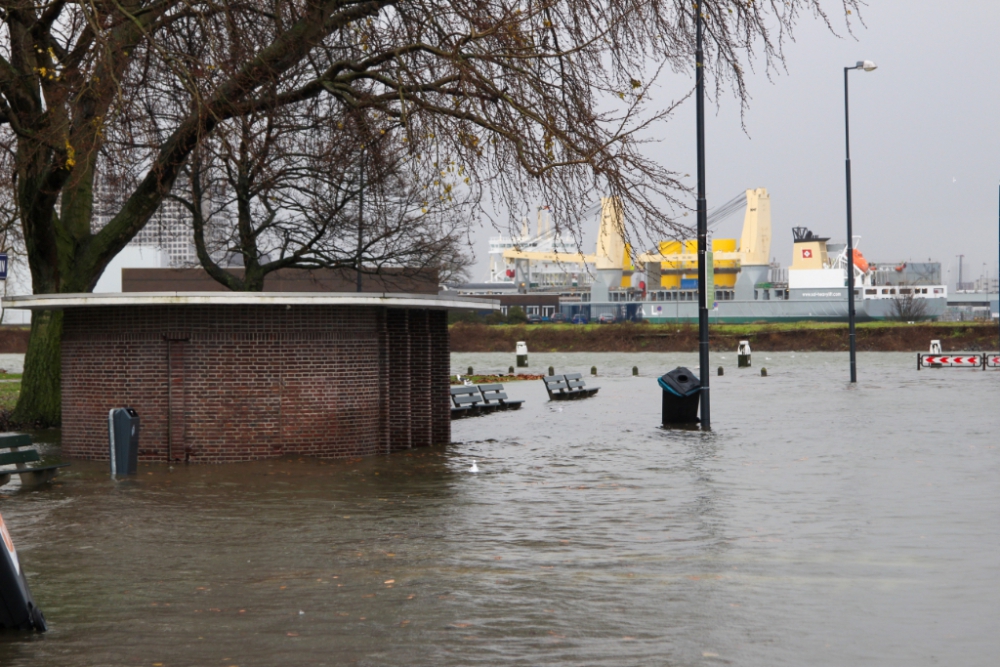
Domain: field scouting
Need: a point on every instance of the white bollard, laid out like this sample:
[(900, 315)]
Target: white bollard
[(743, 354), (522, 354)]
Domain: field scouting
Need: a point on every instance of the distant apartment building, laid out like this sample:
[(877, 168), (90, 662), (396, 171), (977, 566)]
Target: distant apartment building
[(169, 230)]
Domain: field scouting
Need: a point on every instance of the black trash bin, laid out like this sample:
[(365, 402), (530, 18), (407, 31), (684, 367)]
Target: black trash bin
[(681, 393), (123, 432)]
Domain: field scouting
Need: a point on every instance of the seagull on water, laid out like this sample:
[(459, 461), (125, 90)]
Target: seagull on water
[(474, 467)]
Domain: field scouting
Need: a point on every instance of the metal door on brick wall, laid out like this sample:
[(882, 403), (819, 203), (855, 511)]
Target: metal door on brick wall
[(176, 396)]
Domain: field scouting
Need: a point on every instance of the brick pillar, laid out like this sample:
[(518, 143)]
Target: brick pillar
[(440, 370), (398, 344), (420, 379), (176, 399)]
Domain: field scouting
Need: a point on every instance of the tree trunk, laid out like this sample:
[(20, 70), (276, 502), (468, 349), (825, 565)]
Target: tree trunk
[(40, 401)]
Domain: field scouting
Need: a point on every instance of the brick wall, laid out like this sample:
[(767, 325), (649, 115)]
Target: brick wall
[(237, 383)]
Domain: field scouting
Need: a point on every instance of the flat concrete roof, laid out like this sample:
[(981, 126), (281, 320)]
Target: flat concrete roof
[(63, 301)]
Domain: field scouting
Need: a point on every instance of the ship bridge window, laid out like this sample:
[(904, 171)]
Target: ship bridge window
[(857, 292), (939, 290), (905, 291), (892, 291), (871, 291), (885, 291), (756, 295), (767, 295)]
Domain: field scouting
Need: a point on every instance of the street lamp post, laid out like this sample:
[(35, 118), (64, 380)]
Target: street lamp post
[(706, 412), (361, 217), (867, 66)]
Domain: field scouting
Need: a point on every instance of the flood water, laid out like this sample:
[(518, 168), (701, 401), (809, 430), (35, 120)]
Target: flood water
[(816, 525)]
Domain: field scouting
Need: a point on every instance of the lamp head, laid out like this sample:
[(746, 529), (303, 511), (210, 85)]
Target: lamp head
[(866, 65)]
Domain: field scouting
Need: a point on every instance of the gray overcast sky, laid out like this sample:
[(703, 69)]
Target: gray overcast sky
[(924, 141)]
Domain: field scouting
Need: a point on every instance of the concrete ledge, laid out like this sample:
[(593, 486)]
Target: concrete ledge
[(386, 300)]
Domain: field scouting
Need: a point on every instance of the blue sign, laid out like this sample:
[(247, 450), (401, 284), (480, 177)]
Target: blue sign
[(3, 266)]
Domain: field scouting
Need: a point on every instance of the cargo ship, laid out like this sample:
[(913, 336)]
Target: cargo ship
[(660, 285)]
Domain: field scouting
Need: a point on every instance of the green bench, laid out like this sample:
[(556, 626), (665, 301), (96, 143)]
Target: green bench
[(20, 457)]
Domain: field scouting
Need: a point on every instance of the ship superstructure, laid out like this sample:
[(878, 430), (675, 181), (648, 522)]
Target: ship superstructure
[(548, 271)]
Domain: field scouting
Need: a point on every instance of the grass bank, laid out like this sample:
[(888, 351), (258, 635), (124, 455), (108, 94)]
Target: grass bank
[(776, 337), (10, 389), (14, 339)]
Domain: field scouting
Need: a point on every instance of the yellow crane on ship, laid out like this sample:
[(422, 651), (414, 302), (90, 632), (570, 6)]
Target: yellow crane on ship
[(672, 261)]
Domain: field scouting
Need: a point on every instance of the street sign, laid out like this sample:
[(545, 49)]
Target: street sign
[(3, 266), (709, 279), (949, 360)]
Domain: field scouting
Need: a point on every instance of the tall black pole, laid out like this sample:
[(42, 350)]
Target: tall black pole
[(850, 239), (998, 278), (361, 213), (706, 410)]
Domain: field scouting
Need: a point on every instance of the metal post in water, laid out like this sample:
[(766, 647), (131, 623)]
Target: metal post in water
[(850, 240), (867, 66), (521, 351), (706, 413)]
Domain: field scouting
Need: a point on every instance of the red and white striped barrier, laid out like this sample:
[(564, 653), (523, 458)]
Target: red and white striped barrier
[(951, 360), (956, 360)]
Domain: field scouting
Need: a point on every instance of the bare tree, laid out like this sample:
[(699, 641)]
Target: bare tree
[(11, 236), (282, 189), (906, 307), (548, 99)]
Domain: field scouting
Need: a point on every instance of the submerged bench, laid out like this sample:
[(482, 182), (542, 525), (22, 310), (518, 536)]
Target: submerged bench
[(467, 400), (493, 394), (473, 399), (19, 457), (567, 387)]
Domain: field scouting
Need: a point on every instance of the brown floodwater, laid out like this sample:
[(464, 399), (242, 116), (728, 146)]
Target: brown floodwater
[(817, 524)]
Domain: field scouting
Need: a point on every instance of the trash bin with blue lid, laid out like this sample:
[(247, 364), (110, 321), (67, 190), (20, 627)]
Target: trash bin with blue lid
[(681, 393)]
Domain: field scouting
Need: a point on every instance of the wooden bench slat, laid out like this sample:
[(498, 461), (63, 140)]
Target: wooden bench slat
[(462, 400), (15, 440), (23, 456)]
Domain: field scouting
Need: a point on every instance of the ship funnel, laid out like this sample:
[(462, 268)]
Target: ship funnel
[(755, 242), (611, 237)]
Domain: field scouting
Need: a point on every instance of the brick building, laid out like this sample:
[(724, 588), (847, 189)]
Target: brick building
[(220, 377)]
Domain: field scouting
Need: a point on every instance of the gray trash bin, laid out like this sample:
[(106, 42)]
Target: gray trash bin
[(681, 394), (123, 433)]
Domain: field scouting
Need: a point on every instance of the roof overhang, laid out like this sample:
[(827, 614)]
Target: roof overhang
[(385, 300)]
